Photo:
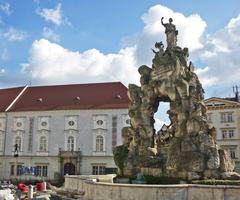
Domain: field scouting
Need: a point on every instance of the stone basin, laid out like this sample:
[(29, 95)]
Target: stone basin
[(113, 191)]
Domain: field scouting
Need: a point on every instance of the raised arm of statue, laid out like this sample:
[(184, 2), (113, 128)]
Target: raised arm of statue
[(162, 21)]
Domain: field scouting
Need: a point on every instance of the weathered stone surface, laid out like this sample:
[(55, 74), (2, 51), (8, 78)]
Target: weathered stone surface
[(214, 160), (226, 163), (187, 147), (211, 174), (151, 171), (193, 176), (230, 175)]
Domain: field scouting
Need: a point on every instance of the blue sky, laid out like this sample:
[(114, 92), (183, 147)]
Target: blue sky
[(60, 42)]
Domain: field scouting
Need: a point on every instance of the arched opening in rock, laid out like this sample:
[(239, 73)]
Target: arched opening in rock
[(161, 117)]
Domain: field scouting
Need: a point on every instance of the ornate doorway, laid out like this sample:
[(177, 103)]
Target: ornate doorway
[(69, 169)]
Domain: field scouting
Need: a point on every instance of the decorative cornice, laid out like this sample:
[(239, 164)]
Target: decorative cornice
[(212, 107)]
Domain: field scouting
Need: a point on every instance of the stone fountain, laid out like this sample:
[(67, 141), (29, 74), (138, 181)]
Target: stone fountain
[(187, 147)]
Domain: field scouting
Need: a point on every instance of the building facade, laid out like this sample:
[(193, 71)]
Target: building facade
[(58, 130), (224, 115)]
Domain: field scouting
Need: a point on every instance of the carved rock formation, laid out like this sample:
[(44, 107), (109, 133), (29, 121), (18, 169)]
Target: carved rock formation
[(187, 147)]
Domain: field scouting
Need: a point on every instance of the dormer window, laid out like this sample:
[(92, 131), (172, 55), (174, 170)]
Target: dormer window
[(77, 98), (118, 96), (39, 99)]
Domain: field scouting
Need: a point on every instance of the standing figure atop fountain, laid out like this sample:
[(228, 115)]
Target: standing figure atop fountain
[(171, 33)]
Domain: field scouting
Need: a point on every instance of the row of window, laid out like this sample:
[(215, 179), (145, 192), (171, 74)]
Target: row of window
[(100, 169), (42, 170), (43, 143), (99, 121), (225, 117), (228, 133), (39, 170)]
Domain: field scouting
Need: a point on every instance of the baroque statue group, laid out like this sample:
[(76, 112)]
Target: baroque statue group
[(187, 147)]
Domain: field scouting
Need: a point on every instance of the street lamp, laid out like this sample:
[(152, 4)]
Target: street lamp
[(16, 149)]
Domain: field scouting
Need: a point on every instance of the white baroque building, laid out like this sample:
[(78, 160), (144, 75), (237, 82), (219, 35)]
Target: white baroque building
[(58, 130), (224, 115)]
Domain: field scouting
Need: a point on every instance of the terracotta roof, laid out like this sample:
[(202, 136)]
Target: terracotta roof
[(79, 96), (7, 96)]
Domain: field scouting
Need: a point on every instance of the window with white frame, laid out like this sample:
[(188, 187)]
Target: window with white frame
[(70, 143), (12, 170), (232, 152), (226, 117), (19, 170), (209, 117), (99, 143), (41, 170), (43, 144), (231, 133), (18, 142), (228, 133), (98, 169)]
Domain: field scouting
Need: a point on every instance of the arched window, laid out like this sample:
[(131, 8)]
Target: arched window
[(43, 143), (18, 141), (70, 143), (99, 143)]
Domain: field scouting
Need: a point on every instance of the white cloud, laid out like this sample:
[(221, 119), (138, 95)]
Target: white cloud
[(13, 34), (218, 52), (2, 71), (221, 55), (161, 117), (6, 8), (48, 60), (4, 55), (205, 77), (49, 34), (190, 28), (158, 124), (53, 15)]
